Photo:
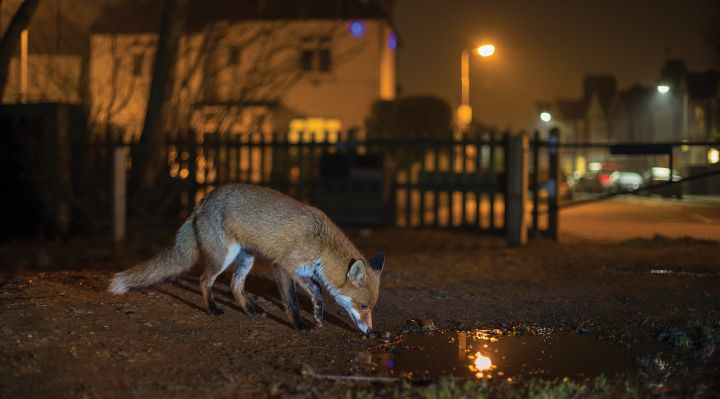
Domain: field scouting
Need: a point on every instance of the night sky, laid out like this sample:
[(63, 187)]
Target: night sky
[(544, 48)]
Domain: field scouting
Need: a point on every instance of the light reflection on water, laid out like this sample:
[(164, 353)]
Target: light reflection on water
[(487, 354)]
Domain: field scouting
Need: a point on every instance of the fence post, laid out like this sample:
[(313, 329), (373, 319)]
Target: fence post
[(517, 189), (535, 183), (119, 196), (554, 174)]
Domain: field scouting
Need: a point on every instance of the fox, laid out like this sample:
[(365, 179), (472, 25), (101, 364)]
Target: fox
[(236, 223)]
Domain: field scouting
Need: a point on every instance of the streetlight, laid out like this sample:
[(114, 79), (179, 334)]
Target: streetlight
[(663, 88), (464, 112), (545, 116), (486, 50)]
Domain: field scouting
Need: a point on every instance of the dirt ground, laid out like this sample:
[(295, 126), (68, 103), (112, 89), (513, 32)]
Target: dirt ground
[(62, 335)]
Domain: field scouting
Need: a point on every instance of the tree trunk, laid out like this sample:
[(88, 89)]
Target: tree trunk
[(147, 160), (9, 41)]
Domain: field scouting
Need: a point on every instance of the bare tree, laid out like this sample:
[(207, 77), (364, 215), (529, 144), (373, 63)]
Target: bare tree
[(147, 157), (9, 41), (269, 67)]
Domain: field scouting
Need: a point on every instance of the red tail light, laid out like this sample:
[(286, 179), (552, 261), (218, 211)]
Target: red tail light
[(604, 179)]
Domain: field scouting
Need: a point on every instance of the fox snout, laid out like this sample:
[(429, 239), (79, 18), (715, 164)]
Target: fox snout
[(363, 322)]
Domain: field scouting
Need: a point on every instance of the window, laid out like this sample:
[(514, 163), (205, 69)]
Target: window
[(137, 64), (325, 60), (235, 55), (699, 112), (306, 60), (323, 52), (316, 54)]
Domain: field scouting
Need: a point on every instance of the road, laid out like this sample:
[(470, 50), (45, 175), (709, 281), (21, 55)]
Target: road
[(629, 217)]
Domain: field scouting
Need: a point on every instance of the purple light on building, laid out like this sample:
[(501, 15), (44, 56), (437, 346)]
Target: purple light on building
[(357, 28), (392, 41)]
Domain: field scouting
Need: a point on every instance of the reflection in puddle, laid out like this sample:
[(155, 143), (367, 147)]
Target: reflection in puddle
[(491, 355)]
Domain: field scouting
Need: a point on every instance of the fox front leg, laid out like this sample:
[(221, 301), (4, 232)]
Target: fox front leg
[(286, 286), (313, 289)]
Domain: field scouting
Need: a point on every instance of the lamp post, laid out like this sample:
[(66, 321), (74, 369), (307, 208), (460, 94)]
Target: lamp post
[(664, 89), (464, 112)]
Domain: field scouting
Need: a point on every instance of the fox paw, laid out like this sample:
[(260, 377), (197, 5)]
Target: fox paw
[(302, 326), (215, 311), (254, 311)]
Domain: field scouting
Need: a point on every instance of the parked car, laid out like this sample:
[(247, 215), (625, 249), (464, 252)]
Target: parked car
[(598, 179), (655, 177), (625, 182)]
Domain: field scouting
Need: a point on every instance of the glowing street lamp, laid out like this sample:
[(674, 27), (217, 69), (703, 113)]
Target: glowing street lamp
[(486, 50), (464, 110), (545, 117), (663, 88)]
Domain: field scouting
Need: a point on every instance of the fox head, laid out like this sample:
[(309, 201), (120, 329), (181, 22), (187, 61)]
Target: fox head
[(361, 289)]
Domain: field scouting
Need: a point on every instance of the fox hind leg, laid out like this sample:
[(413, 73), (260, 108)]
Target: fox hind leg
[(313, 290), (286, 286), (215, 266), (243, 264), (206, 282)]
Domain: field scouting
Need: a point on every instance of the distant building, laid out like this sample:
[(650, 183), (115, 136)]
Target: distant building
[(688, 110), (297, 67), (591, 118)]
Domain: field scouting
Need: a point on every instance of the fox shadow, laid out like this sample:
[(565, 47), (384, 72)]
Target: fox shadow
[(259, 287)]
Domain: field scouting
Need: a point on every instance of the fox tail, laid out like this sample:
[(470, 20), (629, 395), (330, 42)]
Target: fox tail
[(167, 265)]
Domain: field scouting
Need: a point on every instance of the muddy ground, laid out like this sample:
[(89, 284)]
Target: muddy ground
[(62, 335)]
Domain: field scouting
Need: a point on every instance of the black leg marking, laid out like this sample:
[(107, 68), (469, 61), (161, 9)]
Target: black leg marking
[(313, 290), (286, 286)]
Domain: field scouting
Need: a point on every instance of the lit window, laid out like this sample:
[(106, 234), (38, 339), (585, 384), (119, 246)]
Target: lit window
[(321, 129), (713, 155), (137, 64)]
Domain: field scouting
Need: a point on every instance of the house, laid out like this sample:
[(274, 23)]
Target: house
[(269, 66), (686, 109), (49, 64), (689, 109), (592, 118)]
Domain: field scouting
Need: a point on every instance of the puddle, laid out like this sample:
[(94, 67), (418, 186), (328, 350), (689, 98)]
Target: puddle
[(491, 355), (683, 273)]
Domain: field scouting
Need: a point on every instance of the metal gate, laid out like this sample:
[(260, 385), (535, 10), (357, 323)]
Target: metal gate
[(434, 181)]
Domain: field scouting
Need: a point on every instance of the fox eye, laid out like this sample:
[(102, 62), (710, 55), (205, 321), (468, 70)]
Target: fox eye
[(363, 306)]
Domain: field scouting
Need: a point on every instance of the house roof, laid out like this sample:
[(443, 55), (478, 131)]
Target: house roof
[(700, 85), (703, 85), (144, 16), (604, 86)]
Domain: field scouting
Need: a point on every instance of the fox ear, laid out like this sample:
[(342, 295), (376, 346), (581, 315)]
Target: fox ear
[(377, 262), (356, 274)]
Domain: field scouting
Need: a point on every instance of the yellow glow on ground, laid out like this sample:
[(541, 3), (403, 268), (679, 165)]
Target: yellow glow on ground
[(482, 362)]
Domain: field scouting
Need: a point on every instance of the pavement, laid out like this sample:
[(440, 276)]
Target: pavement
[(627, 217)]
